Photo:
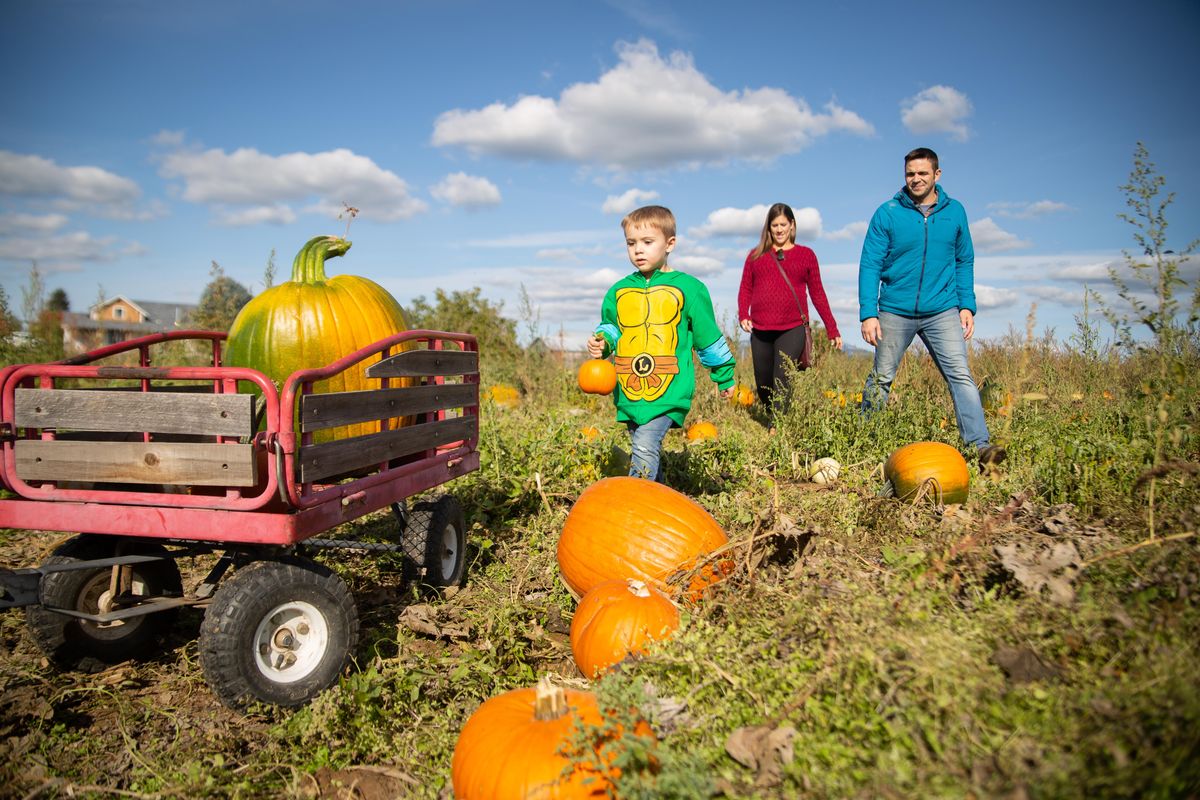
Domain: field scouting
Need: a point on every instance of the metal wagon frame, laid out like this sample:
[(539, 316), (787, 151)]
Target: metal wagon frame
[(177, 462)]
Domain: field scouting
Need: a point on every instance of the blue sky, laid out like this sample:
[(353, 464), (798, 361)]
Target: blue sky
[(498, 144)]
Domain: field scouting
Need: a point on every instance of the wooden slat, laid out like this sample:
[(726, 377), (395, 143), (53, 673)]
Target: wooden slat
[(174, 388), (154, 412), (319, 411), (417, 363), (196, 464), (319, 461)]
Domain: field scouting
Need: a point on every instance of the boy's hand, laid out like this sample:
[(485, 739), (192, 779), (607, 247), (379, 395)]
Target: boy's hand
[(728, 393), (595, 346)]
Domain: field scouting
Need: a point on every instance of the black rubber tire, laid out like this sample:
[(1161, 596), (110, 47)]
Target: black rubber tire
[(76, 644), (267, 613), (435, 543)]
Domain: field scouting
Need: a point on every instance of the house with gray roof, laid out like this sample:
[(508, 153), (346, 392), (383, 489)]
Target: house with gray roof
[(121, 319)]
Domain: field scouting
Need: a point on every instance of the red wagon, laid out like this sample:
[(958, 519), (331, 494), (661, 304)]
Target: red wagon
[(148, 464)]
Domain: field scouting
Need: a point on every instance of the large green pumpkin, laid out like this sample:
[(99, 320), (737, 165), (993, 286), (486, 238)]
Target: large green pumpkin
[(310, 322)]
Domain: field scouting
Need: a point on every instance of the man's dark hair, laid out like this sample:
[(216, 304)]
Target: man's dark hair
[(922, 152)]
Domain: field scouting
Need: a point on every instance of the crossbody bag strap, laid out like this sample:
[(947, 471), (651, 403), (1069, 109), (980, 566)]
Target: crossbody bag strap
[(788, 281)]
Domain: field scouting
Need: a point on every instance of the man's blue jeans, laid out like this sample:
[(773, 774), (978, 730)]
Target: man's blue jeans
[(647, 439), (943, 336)]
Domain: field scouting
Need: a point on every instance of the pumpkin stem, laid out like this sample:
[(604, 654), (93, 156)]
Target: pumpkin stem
[(638, 588), (309, 265), (550, 702)]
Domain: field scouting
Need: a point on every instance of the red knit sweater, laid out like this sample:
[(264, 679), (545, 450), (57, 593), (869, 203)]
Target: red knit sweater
[(765, 299)]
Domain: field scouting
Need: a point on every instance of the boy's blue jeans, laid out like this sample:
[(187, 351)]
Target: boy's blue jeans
[(646, 440), (943, 336)]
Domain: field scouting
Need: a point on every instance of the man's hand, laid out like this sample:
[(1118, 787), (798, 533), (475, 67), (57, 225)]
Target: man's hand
[(595, 346), (968, 323), (747, 326), (871, 332)]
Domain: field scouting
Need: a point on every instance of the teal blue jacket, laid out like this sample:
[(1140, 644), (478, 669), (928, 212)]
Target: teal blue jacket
[(915, 265)]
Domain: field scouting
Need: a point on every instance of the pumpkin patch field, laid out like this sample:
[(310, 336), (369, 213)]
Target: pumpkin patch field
[(1036, 638)]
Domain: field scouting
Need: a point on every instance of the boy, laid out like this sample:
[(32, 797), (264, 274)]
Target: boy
[(651, 319)]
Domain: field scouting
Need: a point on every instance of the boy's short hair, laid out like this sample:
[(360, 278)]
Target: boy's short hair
[(922, 152), (654, 216)]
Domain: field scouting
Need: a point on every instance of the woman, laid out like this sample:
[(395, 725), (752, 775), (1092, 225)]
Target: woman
[(773, 306)]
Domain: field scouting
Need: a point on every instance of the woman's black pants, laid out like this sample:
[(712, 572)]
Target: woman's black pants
[(769, 350)]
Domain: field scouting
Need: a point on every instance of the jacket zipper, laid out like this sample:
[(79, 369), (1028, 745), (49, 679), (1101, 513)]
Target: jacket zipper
[(924, 256)]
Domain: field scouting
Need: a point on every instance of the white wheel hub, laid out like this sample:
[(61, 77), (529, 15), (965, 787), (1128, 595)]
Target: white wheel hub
[(449, 550), (290, 641)]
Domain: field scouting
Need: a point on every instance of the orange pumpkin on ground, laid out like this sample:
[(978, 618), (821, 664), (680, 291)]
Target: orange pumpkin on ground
[(934, 464), (589, 432), (511, 747), (699, 431), (743, 395), (625, 527), (597, 376), (616, 619)]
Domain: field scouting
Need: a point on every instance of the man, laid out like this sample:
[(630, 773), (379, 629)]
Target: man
[(916, 278)]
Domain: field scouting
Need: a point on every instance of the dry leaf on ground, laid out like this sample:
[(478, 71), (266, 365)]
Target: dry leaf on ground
[(762, 748), (1052, 568)]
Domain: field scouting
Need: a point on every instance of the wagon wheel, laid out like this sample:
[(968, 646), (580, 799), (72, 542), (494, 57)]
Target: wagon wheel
[(435, 543), (78, 644), (278, 631)]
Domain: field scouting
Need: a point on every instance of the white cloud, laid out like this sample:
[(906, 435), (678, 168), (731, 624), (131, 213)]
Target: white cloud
[(844, 303), (994, 297), (1096, 271), (1026, 209), (1081, 272), (855, 231), (938, 109), (31, 223), (808, 223), (988, 237), (93, 189), (1071, 298), (624, 203), (168, 139), (651, 16), (732, 222), (749, 222), (562, 254), (551, 239), (700, 266), (256, 215), (645, 112), (257, 180), (466, 191), (59, 252), (1031, 269)]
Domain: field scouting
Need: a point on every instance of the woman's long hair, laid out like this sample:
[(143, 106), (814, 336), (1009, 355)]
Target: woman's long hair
[(765, 240)]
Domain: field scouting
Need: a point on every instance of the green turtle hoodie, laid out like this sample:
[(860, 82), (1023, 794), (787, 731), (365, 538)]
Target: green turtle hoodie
[(650, 326)]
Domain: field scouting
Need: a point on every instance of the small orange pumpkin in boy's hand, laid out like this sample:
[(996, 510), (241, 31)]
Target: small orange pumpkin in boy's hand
[(597, 376), (743, 395)]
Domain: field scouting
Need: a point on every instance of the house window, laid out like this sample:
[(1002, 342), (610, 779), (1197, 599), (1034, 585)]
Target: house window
[(118, 313)]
